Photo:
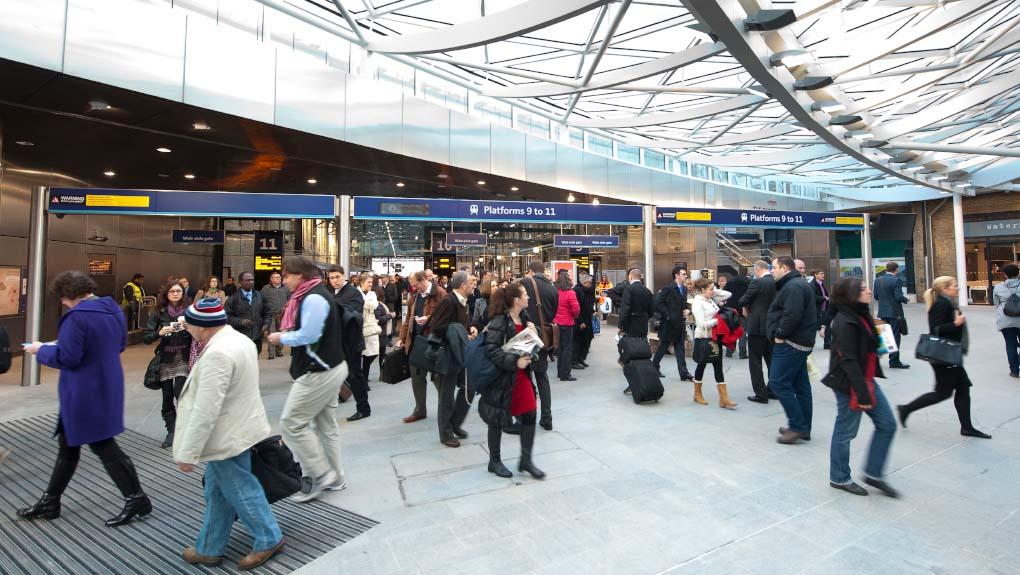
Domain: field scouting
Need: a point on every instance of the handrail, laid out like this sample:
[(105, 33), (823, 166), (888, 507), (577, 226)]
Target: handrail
[(739, 254)]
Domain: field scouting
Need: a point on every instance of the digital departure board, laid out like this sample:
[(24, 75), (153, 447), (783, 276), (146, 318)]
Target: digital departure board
[(403, 209)]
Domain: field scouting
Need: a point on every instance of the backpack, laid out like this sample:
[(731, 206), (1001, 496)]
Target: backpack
[(1011, 307), (481, 372)]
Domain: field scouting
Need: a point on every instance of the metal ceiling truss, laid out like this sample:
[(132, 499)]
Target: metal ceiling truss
[(928, 86)]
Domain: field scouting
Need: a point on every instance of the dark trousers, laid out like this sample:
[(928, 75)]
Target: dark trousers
[(699, 371), (419, 387), (453, 409), (759, 347), (1012, 337), (961, 399), (258, 347), (565, 353), (582, 342), (171, 392), (117, 464), (366, 366), (894, 323), (358, 382), (540, 369), (678, 341)]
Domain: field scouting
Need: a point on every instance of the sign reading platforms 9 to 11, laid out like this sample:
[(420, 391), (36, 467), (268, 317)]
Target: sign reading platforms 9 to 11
[(439, 209), (758, 218)]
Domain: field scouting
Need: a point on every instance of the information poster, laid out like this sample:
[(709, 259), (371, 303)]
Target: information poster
[(10, 291)]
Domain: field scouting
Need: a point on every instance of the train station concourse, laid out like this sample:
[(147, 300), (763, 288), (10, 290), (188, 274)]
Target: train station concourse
[(296, 271)]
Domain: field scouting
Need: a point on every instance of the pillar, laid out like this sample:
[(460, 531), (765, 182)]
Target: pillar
[(343, 235), (961, 249), (36, 281), (649, 229), (866, 265)]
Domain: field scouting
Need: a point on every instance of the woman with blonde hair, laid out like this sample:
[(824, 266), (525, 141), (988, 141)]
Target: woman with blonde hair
[(946, 320)]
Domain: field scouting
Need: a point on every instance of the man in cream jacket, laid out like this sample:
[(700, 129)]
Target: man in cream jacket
[(220, 416)]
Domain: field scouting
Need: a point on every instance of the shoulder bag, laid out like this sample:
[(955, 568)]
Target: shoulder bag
[(939, 350), (706, 350), (272, 463), (550, 331), (151, 379)]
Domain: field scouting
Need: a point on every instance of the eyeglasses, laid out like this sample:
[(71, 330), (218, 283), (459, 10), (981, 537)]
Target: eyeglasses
[(175, 291)]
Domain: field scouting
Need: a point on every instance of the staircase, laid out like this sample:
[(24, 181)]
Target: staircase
[(732, 253)]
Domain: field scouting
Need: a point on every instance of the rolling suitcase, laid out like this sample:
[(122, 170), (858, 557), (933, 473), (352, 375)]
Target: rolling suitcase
[(643, 379)]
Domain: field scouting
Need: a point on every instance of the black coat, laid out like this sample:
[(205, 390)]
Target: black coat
[(238, 309), (350, 297), (391, 297), (550, 298), (792, 315), (737, 288), (636, 307), (757, 299), (585, 299), (851, 344), (494, 404), (940, 322), (670, 304)]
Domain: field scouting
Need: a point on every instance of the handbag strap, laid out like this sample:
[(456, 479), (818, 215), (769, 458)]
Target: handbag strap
[(538, 302)]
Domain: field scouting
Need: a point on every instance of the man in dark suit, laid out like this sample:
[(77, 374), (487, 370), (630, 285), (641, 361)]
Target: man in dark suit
[(737, 286), (189, 290), (549, 298), (246, 311), (344, 292), (755, 302), (636, 306), (889, 294), (671, 305), (349, 297), (583, 331), (453, 409)]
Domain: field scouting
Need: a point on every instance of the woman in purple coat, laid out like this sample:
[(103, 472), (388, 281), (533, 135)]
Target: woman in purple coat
[(91, 336)]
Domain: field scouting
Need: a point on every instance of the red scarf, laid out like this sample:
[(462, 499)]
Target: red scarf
[(289, 318)]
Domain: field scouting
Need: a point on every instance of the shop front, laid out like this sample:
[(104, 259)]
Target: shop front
[(990, 244)]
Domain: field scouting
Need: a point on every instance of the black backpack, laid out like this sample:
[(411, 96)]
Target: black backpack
[(1011, 307)]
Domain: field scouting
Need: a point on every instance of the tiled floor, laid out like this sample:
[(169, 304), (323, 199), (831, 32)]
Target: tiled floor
[(672, 487)]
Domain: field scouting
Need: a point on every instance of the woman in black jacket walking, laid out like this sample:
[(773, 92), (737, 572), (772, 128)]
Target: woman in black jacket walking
[(853, 367), (173, 350), (945, 320), (513, 392)]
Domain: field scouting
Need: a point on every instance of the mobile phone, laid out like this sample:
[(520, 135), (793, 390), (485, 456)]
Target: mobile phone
[(176, 326)]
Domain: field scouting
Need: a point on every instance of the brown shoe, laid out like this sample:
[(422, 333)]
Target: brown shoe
[(413, 417), (451, 442), (256, 558), (789, 437), (193, 557)]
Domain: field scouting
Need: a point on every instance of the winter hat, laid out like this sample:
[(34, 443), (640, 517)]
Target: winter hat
[(206, 312)]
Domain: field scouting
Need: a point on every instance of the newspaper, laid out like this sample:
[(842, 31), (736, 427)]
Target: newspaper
[(525, 343)]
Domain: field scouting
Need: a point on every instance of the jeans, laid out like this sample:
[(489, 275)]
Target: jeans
[(314, 398), (231, 490), (845, 429), (760, 348), (678, 351), (565, 353), (1012, 337), (788, 379), (894, 323)]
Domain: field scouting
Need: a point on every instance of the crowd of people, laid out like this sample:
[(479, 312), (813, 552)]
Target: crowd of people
[(206, 365)]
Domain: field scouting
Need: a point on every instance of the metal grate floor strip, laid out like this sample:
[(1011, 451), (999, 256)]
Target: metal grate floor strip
[(78, 542)]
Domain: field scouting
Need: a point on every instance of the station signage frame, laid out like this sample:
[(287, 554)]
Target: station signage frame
[(586, 241), (440, 209), (719, 217), (213, 237), (466, 240), (185, 203)]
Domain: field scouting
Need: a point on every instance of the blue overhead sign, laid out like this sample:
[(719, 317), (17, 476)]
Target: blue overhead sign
[(198, 237), (758, 218), (460, 240), (436, 209), (185, 203), (586, 241)]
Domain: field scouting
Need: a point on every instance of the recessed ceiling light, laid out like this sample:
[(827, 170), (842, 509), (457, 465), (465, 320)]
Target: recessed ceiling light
[(164, 150), (400, 184), (200, 126), (481, 182), (514, 189), (313, 181), (442, 176), (99, 105), (189, 176), (595, 202), (163, 175), (571, 197), (109, 173), (24, 143)]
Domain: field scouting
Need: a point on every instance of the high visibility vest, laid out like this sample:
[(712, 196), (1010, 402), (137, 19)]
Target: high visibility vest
[(139, 293)]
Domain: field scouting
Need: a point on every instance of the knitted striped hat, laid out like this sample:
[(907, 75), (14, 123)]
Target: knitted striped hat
[(206, 312)]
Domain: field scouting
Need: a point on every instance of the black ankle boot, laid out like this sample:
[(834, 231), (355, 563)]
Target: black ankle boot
[(496, 466), (48, 507), (168, 441), (527, 443), (134, 505), (495, 463)]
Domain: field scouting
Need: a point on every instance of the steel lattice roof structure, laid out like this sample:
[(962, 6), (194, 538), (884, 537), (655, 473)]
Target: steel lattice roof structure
[(879, 94)]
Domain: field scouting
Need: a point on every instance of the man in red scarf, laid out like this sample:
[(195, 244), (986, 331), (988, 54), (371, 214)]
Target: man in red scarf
[(311, 327)]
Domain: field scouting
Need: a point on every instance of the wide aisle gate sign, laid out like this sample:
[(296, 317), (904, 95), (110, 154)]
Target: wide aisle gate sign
[(437, 209), (758, 218), (185, 203)]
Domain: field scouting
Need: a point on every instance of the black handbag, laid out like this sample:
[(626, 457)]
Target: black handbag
[(272, 463), (151, 379), (706, 350), (939, 350), (632, 348), (396, 367)]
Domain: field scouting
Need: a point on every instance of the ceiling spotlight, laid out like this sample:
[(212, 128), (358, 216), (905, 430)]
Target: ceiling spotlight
[(481, 182), (189, 176), (765, 20), (536, 250), (98, 105), (864, 135), (109, 173), (914, 168), (442, 176), (571, 197), (812, 82), (200, 126), (874, 143), (595, 202), (828, 106), (24, 143), (961, 184), (940, 178), (791, 58), (164, 150), (313, 181), (163, 175), (514, 188), (844, 120), (400, 184)]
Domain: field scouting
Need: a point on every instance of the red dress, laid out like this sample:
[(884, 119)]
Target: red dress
[(522, 397)]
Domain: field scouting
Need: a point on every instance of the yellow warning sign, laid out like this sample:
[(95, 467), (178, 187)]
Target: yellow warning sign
[(110, 201), (849, 220), (694, 216)]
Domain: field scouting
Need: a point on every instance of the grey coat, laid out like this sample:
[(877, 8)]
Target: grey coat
[(999, 297)]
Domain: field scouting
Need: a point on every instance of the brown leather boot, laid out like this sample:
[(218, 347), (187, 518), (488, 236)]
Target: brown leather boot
[(724, 397), (193, 557), (256, 558), (698, 397)]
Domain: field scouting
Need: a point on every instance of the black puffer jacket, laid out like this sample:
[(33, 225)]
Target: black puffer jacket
[(494, 405), (851, 344), (792, 315)]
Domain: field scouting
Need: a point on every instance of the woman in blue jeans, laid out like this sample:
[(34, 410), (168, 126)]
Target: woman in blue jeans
[(1009, 326), (853, 369)]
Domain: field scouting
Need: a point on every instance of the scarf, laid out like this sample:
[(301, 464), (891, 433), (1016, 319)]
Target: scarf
[(196, 350), (176, 311), (289, 318)]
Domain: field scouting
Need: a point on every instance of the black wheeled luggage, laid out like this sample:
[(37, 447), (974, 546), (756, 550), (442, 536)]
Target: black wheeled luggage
[(643, 379)]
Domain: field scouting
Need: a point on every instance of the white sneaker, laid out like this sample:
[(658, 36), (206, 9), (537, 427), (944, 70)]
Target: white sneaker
[(338, 485), (312, 488)]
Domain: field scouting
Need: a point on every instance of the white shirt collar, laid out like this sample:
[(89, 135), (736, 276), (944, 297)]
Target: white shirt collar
[(460, 298)]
